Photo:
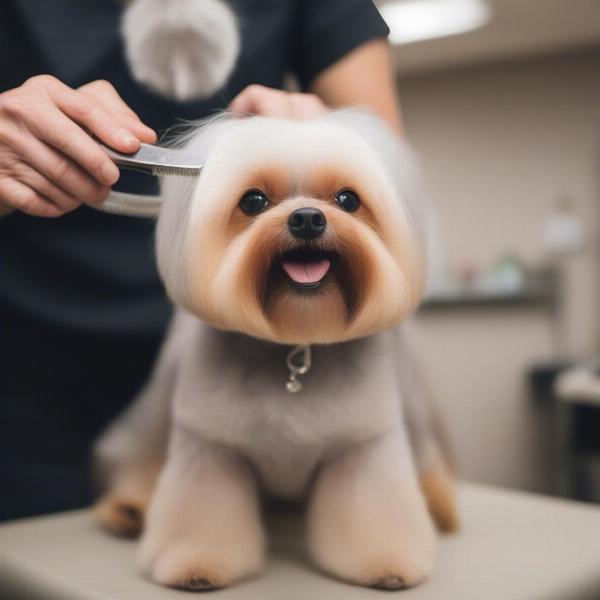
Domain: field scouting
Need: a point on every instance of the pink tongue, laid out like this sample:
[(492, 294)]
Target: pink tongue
[(306, 272)]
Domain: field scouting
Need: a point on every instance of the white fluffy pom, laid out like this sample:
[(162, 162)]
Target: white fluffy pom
[(182, 49)]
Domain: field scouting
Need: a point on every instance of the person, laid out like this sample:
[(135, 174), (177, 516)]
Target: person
[(82, 310)]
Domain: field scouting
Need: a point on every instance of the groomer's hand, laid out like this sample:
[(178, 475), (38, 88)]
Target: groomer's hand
[(268, 102), (49, 161)]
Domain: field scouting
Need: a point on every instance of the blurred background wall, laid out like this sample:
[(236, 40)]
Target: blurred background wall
[(499, 145), (506, 127)]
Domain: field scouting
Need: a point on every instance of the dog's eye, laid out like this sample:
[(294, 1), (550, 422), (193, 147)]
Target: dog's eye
[(348, 200), (253, 202)]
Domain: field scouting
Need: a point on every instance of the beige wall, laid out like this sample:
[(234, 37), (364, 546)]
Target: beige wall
[(498, 145)]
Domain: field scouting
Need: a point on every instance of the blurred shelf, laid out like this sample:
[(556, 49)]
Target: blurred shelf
[(540, 290)]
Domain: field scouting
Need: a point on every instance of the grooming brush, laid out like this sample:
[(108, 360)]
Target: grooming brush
[(153, 160)]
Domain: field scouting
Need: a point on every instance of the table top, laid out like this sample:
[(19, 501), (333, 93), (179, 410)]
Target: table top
[(513, 546)]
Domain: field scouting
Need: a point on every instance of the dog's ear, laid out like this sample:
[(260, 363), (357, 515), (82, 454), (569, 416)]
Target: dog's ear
[(178, 195), (400, 163), (182, 49), (401, 167)]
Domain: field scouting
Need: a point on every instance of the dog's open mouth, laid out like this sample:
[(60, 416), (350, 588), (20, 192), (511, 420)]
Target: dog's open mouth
[(311, 272), (306, 267)]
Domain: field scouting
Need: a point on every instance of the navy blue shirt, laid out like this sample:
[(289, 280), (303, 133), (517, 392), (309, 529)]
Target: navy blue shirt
[(82, 310)]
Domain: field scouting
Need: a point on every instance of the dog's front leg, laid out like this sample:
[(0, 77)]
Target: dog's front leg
[(203, 525), (368, 520)]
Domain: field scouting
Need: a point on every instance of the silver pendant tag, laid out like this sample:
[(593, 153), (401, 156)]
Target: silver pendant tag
[(298, 361), (293, 385)]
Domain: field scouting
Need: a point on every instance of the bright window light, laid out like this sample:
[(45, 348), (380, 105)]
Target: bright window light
[(416, 20)]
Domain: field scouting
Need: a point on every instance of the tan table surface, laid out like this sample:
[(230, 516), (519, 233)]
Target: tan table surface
[(513, 546)]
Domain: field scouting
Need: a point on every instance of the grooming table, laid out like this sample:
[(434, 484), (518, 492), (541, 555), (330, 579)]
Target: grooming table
[(513, 546)]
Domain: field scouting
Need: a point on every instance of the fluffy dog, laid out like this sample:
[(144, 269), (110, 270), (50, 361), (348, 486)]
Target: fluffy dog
[(296, 234)]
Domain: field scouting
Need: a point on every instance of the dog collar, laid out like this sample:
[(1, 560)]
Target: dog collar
[(299, 361)]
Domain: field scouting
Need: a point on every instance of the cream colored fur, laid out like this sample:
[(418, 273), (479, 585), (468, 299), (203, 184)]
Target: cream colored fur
[(354, 442)]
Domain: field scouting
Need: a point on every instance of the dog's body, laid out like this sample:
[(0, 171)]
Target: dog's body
[(229, 389), (358, 442)]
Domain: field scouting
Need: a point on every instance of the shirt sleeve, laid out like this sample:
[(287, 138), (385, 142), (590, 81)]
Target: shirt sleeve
[(327, 30)]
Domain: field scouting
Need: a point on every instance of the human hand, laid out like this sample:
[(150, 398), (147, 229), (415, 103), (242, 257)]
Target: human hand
[(49, 161), (269, 102)]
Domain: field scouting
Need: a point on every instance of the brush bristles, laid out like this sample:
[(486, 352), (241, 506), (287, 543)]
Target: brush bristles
[(186, 172)]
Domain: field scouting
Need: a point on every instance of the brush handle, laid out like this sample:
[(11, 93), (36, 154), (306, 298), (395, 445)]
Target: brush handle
[(131, 205)]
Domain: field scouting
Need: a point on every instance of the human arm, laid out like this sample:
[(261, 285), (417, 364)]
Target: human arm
[(335, 87), (370, 64), (341, 57)]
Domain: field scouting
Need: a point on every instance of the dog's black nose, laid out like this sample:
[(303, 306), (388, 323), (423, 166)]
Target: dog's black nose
[(307, 223)]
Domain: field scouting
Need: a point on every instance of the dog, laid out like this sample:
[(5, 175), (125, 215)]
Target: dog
[(293, 261)]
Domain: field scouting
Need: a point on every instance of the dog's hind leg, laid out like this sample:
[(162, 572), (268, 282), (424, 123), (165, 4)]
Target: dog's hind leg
[(130, 454), (122, 508), (429, 442), (438, 485), (434, 463)]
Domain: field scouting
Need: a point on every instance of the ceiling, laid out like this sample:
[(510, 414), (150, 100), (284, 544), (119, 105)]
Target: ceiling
[(519, 28)]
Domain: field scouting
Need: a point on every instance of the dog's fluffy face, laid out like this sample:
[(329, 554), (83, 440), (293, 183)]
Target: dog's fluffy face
[(296, 232)]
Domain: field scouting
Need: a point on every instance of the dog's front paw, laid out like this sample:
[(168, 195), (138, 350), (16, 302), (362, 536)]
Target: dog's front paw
[(383, 553), (380, 567), (397, 574), (197, 565), (368, 521), (203, 528), (180, 565)]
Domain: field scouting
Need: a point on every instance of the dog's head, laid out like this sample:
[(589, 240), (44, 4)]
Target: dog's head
[(296, 231)]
